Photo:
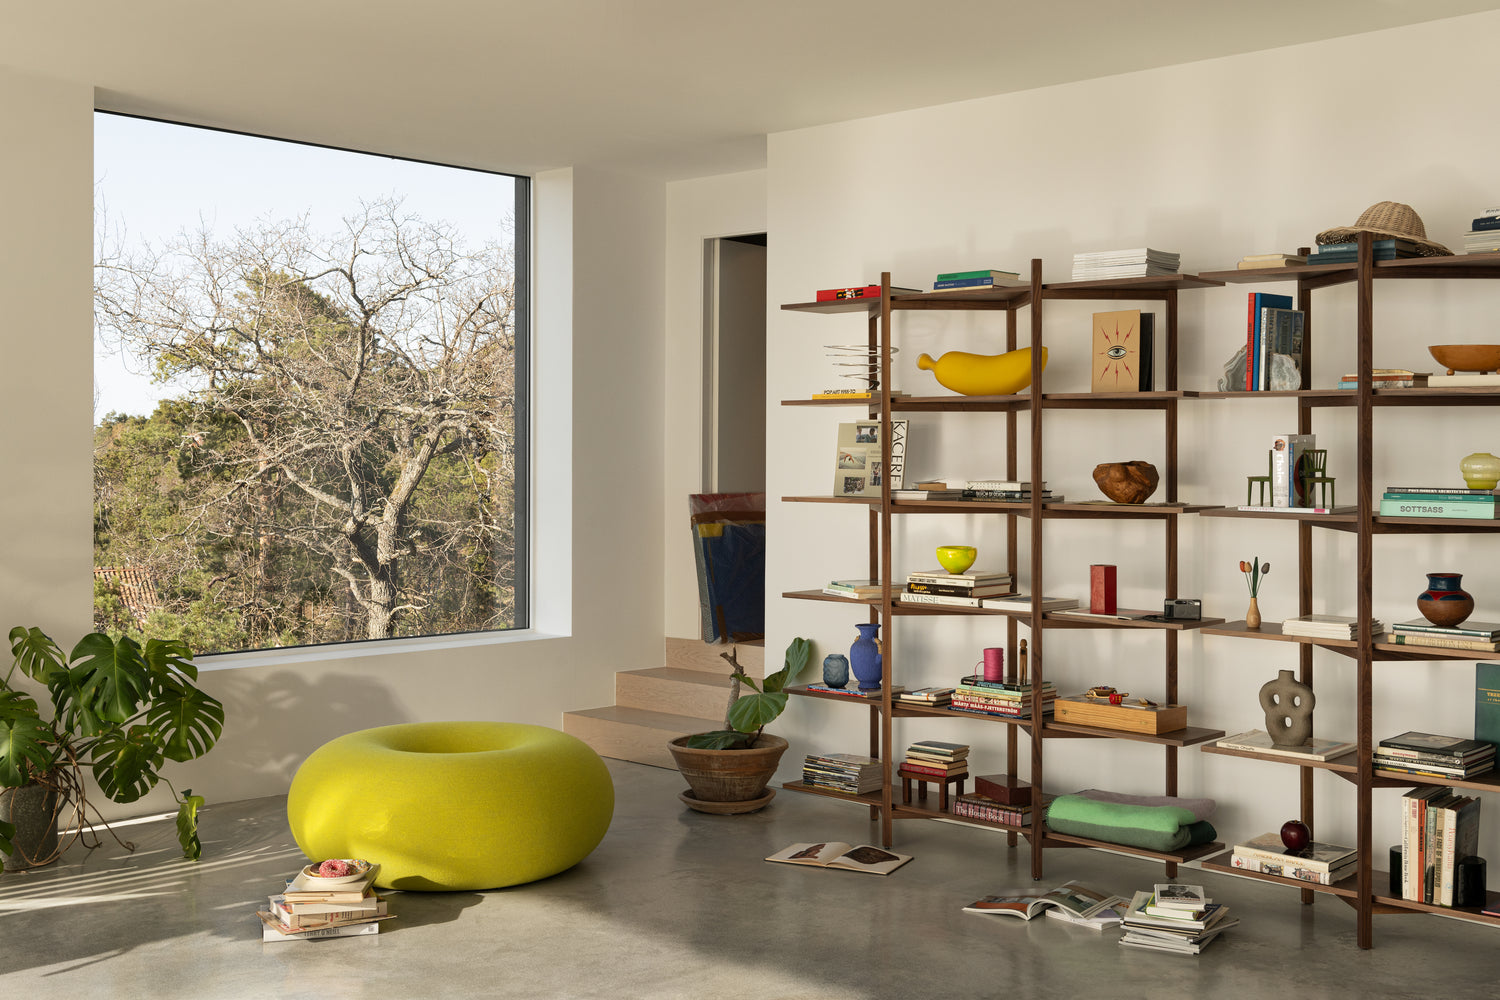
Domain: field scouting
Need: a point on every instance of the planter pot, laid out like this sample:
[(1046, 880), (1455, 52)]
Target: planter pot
[(733, 778), (33, 810), (1445, 603)]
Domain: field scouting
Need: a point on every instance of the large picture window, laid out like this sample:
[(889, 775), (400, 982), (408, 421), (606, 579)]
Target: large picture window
[(310, 392)]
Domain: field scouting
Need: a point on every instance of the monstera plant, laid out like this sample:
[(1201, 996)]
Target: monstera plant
[(118, 709)]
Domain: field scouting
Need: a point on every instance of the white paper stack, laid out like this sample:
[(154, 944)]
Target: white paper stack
[(1327, 626), (1138, 263)]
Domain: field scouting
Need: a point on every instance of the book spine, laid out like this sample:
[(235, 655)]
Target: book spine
[(1441, 498), (1482, 510), (1442, 490), (1441, 642), (943, 599), (1259, 854), (1453, 631), (836, 294), (970, 275), (999, 484), (1421, 756), (934, 772), (1102, 589), (955, 589), (1486, 222), (1250, 345), (1291, 869), (942, 283)]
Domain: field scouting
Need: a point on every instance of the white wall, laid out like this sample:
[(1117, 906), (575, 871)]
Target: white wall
[(1215, 160), (728, 205), (600, 252)]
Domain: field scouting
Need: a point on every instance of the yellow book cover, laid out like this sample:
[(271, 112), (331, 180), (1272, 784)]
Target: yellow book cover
[(1117, 351)]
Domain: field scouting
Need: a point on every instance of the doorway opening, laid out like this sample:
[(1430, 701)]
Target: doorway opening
[(734, 364)]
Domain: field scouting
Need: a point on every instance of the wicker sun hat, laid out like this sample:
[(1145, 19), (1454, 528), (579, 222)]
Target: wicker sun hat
[(1384, 220)]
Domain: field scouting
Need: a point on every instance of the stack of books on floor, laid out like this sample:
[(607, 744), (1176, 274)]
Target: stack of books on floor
[(1328, 626), (1348, 251), (1470, 635), (335, 898), (933, 760), (1321, 864), (1254, 260), (1438, 501), (975, 281), (1001, 699), (1138, 263), (1175, 918), (1429, 754), (849, 773), (1386, 378), (1484, 233), (1438, 830), (1007, 490), (933, 697), (964, 590)]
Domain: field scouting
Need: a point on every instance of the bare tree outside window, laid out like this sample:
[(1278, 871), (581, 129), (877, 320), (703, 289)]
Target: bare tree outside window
[(341, 459)]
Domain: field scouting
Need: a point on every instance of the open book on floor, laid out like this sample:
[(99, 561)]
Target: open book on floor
[(1071, 897), (833, 854)]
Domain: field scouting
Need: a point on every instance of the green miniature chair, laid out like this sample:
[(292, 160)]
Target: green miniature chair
[(1264, 481), (1313, 473)]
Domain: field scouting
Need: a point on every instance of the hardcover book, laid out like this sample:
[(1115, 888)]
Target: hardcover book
[(857, 459), (1259, 741), (1487, 702), (1122, 352), (1074, 897), (1258, 301), (1290, 463), (1315, 856)]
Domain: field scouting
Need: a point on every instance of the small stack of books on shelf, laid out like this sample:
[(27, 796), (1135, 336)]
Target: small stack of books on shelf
[(1255, 260), (1438, 830), (1174, 918), (1313, 748), (999, 698), (1347, 252), (1484, 233), (1438, 501), (934, 760), (1137, 263), (933, 697), (334, 898), (1386, 378), (1327, 626), (1009, 490), (1472, 635), (1321, 864), (975, 281), (852, 774), (1022, 603), (976, 805), (856, 590), (966, 590), (1431, 755)]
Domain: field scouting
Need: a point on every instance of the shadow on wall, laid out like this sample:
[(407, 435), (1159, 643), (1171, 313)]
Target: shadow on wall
[(272, 721)]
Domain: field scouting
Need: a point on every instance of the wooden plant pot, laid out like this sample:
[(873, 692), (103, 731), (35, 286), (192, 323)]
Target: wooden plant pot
[(728, 781)]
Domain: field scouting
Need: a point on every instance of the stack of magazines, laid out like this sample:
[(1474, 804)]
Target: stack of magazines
[(1328, 626), (852, 774), (1138, 263), (1174, 918)]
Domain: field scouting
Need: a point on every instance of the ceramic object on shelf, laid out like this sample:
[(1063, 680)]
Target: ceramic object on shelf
[(1467, 357), (1445, 603), (956, 558), (836, 670), (1288, 704), (865, 658), (1481, 470), (982, 374), (1127, 482)]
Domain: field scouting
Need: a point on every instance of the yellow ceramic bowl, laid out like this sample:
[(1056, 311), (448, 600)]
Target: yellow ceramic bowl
[(956, 558)]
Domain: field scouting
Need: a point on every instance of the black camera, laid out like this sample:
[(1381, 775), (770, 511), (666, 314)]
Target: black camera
[(1182, 609)]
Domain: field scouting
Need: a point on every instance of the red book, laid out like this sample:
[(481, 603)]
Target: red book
[(835, 294), (1250, 345), (1102, 589)]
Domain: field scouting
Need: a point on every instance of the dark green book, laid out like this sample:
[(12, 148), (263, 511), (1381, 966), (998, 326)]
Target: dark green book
[(1487, 702)]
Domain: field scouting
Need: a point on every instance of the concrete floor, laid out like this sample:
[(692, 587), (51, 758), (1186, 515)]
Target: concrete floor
[(677, 904)]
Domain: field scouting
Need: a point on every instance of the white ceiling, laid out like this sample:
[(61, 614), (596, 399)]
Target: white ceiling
[(673, 88)]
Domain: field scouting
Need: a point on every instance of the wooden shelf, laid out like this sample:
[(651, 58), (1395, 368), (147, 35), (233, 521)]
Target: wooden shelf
[(818, 595), (1383, 650), (840, 306), (867, 799), (1101, 288), (1070, 619), (1191, 736), (1108, 508), (1052, 839), (1321, 273), (905, 709), (1394, 904), (1345, 764), (868, 701), (1489, 782), (856, 501), (1272, 631), (1341, 516), (1348, 888)]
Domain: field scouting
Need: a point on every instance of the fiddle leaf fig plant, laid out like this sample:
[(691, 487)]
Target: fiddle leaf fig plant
[(120, 709), (746, 717)]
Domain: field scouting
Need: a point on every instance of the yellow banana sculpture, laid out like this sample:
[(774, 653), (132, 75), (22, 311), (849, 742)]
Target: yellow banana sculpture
[(982, 374)]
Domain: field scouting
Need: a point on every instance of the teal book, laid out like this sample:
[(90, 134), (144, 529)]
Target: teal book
[(1437, 508), (1487, 702)]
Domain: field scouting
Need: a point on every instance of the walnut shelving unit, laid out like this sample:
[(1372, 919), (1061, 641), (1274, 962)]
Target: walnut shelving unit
[(1367, 891), (888, 610)]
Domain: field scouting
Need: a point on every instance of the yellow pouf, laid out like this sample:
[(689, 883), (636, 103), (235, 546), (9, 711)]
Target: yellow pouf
[(453, 805)]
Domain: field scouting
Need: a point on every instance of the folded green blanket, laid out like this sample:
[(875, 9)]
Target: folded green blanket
[(1153, 828)]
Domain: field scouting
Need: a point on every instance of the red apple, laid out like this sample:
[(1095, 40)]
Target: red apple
[(1295, 834)]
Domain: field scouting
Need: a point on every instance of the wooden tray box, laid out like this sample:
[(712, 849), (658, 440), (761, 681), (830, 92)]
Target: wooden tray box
[(1081, 711)]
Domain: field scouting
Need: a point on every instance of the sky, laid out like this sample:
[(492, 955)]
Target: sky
[(156, 179)]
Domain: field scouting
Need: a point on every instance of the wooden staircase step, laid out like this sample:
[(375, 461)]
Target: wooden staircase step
[(675, 690), (695, 654), (633, 734)]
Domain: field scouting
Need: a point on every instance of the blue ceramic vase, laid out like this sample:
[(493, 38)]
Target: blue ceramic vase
[(835, 670), (1444, 602), (865, 658)]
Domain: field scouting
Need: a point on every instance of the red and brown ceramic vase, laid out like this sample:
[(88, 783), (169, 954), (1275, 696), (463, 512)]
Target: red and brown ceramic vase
[(1444, 602)]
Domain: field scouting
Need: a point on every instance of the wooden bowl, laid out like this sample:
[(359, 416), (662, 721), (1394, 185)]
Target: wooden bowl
[(1467, 357), (1126, 482)]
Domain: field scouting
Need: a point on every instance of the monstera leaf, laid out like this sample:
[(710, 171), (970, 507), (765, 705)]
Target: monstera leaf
[(111, 680), (187, 721), (24, 739), (36, 654), (168, 657), (126, 762)]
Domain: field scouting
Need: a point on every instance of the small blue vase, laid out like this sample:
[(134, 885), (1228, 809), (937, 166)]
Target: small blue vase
[(865, 658), (835, 670)]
